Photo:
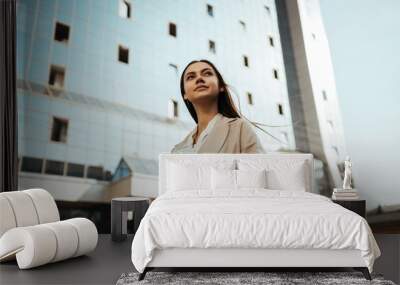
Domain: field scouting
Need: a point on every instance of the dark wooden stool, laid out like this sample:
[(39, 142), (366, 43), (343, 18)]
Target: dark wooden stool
[(119, 215)]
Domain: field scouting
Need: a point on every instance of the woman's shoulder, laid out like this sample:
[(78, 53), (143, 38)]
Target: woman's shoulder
[(183, 143), (249, 140), (239, 122), (233, 121)]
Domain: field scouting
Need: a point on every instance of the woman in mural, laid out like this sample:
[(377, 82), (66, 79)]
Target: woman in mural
[(220, 128)]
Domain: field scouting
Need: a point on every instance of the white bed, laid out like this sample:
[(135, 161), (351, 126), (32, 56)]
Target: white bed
[(201, 219)]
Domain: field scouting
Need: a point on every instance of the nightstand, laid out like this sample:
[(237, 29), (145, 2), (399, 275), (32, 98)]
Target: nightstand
[(119, 215), (357, 206)]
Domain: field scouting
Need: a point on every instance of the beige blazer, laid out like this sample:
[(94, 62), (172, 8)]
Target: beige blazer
[(229, 135)]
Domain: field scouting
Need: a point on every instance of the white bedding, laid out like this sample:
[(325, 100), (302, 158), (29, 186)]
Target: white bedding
[(250, 218)]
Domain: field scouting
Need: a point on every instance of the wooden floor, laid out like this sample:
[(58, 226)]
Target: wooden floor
[(111, 259)]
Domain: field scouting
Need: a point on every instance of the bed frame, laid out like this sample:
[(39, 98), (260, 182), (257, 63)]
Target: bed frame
[(242, 259)]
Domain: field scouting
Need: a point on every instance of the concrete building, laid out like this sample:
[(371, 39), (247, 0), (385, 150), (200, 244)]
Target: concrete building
[(99, 81), (313, 100)]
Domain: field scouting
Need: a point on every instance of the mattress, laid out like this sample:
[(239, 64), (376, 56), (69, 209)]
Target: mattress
[(250, 218)]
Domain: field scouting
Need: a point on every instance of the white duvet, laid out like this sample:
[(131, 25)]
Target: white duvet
[(250, 218)]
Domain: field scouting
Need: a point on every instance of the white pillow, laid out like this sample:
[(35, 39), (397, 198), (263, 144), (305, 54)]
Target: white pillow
[(223, 179), (288, 179), (251, 178), (188, 176), (237, 179), (282, 174)]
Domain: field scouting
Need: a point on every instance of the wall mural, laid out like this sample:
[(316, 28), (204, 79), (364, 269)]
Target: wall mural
[(104, 87)]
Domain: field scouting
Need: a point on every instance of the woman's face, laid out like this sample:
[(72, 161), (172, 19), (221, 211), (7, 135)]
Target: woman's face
[(200, 82)]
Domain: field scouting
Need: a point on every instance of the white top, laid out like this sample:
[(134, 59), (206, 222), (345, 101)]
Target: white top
[(192, 148)]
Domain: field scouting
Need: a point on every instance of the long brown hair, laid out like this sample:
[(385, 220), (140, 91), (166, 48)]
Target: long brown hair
[(226, 106)]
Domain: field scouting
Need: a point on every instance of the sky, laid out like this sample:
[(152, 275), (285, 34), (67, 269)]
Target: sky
[(364, 40)]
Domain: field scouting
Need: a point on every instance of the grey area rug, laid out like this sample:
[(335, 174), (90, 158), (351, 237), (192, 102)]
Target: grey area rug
[(225, 278)]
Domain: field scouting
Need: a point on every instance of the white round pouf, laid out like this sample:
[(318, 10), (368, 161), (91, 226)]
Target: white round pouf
[(31, 231)]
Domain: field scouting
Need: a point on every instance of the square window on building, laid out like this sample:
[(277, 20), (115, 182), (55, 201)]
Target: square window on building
[(32, 164), (174, 67), (124, 9), (59, 130), (330, 124), (210, 10), (57, 76), (107, 175), (172, 29), (54, 167), (95, 172), (75, 170), (61, 33), (285, 137), (211, 46), (276, 74), (123, 54), (324, 95), (280, 109), (335, 150), (173, 109), (249, 98), (246, 61), (243, 24), (271, 41)]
